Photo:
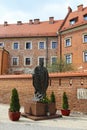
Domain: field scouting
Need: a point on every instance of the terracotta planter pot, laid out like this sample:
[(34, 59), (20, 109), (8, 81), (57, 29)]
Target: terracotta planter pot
[(14, 116), (65, 112)]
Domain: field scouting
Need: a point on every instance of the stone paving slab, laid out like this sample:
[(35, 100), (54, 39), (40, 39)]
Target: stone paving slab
[(72, 122), (15, 126)]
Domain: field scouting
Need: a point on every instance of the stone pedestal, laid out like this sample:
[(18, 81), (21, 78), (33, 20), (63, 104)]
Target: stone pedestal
[(39, 109)]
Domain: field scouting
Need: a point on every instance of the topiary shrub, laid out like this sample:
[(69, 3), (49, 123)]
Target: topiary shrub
[(14, 104), (52, 97), (65, 104)]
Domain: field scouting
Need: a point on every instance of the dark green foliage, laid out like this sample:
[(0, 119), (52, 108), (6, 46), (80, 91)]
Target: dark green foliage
[(65, 104), (52, 97), (60, 66), (14, 104), (48, 100), (45, 100)]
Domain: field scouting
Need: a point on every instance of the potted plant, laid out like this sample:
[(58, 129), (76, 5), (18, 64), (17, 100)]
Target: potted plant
[(52, 97), (14, 110), (65, 111)]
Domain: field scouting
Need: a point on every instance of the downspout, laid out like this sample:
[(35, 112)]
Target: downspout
[(46, 51), (60, 42), (2, 61)]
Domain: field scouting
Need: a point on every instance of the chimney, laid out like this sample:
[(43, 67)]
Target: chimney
[(51, 20), (5, 23), (36, 21), (80, 7), (69, 9), (30, 21), (19, 22)]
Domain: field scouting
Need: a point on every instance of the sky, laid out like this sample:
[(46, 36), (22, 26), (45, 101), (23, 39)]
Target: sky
[(24, 10)]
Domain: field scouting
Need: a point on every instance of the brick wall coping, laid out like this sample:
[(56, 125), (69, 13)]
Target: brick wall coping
[(58, 75), (15, 76), (68, 74)]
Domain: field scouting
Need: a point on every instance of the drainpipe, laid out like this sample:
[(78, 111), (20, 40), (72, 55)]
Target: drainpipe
[(46, 51), (2, 62), (60, 46), (60, 42)]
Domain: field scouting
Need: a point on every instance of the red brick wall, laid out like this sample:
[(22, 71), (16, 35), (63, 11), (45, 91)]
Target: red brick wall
[(3, 61), (5, 64), (34, 53), (0, 60), (76, 49), (59, 82)]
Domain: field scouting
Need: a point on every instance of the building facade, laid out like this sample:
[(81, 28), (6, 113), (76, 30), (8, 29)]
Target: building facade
[(74, 38), (30, 43)]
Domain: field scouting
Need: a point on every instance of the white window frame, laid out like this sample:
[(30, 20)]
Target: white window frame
[(84, 56), (30, 61), (30, 45), (2, 44), (17, 61), (39, 45), (53, 57), (52, 43), (70, 58), (44, 60), (83, 38), (13, 45), (69, 44)]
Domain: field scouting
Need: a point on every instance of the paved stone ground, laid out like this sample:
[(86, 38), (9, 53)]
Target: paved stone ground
[(72, 122)]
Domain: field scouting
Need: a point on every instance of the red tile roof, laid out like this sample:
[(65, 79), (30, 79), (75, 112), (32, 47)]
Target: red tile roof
[(29, 30), (79, 14)]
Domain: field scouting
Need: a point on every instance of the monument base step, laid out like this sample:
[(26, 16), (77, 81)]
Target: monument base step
[(36, 118)]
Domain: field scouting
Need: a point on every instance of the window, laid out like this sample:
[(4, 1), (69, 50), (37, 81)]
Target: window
[(54, 45), (15, 61), (27, 61), (15, 45), (73, 21), (28, 45), (85, 38), (85, 17), (68, 58), (85, 56), (41, 59), (53, 60), (1, 44), (41, 45), (68, 42)]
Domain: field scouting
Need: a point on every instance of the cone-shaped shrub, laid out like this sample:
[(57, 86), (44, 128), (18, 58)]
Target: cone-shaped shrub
[(14, 104), (52, 97), (65, 104)]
